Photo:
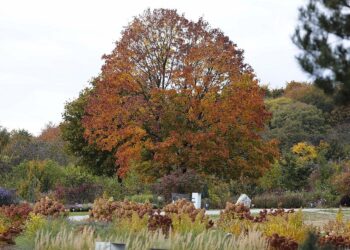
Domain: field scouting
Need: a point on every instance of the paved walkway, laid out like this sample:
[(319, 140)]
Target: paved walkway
[(253, 211)]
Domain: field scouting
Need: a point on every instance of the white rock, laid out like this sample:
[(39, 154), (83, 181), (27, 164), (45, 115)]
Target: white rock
[(245, 200)]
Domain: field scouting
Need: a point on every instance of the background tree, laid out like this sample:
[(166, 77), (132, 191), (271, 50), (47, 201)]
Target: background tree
[(176, 95), (309, 94), (4, 138), (323, 34), (18, 148), (293, 122), (100, 162), (50, 145)]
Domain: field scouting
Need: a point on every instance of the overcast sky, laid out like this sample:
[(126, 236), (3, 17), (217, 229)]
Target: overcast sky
[(50, 49)]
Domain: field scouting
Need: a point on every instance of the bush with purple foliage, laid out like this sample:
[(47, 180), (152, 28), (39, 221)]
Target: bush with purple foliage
[(83, 193), (7, 197), (179, 182)]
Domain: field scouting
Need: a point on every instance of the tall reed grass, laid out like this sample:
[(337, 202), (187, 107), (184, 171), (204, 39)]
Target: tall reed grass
[(85, 239)]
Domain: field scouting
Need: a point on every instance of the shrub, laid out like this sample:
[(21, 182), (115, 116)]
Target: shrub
[(322, 198), (105, 209), (342, 183), (345, 201), (83, 193), (179, 182), (132, 224), (186, 217), (102, 209), (111, 187), (337, 233), (76, 176), (184, 223), (289, 225), (281, 242), (35, 223), (182, 206), (219, 193), (235, 219), (12, 219), (36, 177), (285, 200), (161, 222), (7, 197), (49, 207), (125, 209), (141, 198)]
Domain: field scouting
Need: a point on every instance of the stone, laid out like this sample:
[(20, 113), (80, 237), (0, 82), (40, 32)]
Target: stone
[(245, 200)]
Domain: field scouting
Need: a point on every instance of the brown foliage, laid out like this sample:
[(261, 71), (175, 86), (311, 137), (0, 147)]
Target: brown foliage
[(176, 94), (239, 211), (106, 209), (341, 242), (50, 133), (16, 215), (49, 207), (282, 243), (157, 221), (182, 206)]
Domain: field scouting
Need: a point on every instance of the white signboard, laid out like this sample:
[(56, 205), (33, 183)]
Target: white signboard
[(197, 199)]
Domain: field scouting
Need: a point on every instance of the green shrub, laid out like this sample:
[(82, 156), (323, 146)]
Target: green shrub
[(284, 200), (322, 198), (111, 187), (141, 198), (219, 194), (183, 223), (74, 176), (290, 226), (318, 198), (35, 177), (132, 224), (35, 223)]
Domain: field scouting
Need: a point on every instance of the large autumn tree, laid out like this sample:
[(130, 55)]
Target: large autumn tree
[(176, 95), (99, 162)]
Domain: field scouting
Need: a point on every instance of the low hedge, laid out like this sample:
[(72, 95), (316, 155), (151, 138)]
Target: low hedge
[(296, 200)]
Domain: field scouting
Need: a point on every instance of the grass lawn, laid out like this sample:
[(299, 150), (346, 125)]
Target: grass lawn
[(78, 213)]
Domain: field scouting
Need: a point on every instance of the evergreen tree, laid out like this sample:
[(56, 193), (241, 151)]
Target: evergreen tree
[(323, 34)]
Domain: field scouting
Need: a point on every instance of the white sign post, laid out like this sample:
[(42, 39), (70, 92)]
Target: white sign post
[(197, 199)]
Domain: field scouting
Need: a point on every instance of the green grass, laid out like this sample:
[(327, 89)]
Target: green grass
[(78, 213)]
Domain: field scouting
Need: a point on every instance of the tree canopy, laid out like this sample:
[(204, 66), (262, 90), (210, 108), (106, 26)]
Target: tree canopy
[(177, 94), (100, 162), (294, 121)]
